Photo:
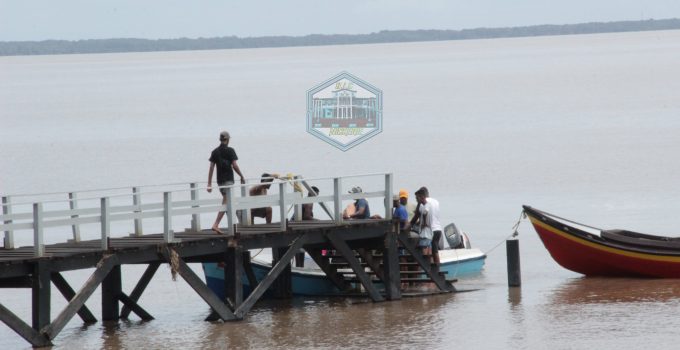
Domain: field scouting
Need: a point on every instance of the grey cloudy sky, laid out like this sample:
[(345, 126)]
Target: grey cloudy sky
[(153, 19)]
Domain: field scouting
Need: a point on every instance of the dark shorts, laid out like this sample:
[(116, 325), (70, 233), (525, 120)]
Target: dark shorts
[(223, 190), (436, 236), (259, 212)]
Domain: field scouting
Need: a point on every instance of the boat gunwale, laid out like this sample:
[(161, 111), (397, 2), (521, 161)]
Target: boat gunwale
[(549, 219)]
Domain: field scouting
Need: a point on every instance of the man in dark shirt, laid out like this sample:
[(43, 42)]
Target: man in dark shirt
[(224, 158)]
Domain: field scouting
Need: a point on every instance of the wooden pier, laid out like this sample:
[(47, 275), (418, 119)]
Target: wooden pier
[(367, 247)]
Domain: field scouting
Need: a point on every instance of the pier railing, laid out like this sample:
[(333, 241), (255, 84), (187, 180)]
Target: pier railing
[(78, 209)]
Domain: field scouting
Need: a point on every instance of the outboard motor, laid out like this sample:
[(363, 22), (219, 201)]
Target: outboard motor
[(454, 236)]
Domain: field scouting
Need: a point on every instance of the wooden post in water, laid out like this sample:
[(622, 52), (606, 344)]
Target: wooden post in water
[(111, 290), (282, 286), (391, 265), (40, 288), (514, 274), (233, 286)]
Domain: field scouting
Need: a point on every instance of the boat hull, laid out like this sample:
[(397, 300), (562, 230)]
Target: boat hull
[(592, 255), (311, 282)]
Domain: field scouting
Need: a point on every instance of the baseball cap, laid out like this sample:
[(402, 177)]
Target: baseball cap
[(224, 135), (403, 193), (355, 189)]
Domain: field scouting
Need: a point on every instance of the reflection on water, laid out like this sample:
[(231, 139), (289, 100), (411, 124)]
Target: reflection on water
[(602, 290), (313, 323)]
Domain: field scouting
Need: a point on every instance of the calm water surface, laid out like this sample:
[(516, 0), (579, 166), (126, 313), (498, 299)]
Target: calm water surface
[(584, 126)]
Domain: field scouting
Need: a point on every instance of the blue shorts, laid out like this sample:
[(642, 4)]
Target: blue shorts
[(424, 243)]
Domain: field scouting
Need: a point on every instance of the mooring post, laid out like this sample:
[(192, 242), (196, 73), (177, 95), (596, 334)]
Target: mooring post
[(514, 275), (40, 291), (233, 285), (38, 242), (195, 217), (137, 202), (337, 202), (73, 205), (9, 233), (111, 290)]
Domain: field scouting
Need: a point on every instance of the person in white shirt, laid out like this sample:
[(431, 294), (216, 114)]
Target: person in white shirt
[(430, 220)]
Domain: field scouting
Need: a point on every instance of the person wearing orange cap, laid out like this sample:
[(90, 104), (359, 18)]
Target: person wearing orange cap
[(410, 207)]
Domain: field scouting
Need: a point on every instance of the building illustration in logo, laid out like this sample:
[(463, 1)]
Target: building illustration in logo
[(344, 111)]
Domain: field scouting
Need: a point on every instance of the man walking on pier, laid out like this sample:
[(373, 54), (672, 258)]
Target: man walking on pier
[(224, 157)]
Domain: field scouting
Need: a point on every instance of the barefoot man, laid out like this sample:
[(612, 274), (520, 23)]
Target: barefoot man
[(224, 157)]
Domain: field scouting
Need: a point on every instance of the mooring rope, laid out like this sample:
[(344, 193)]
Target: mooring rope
[(174, 263), (514, 233)]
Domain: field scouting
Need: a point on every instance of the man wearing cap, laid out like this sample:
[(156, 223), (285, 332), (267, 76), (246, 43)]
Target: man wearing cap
[(399, 212), (361, 209), (224, 158), (410, 207)]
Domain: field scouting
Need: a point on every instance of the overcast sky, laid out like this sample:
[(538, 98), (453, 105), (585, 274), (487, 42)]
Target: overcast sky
[(153, 19)]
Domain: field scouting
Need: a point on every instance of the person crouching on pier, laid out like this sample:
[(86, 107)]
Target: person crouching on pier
[(224, 158), (261, 190)]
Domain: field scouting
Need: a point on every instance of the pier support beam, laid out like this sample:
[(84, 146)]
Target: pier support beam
[(40, 291), (391, 273), (139, 290), (68, 294), (271, 275), (282, 287), (107, 263), (233, 286), (20, 327), (248, 269), (197, 284), (112, 288)]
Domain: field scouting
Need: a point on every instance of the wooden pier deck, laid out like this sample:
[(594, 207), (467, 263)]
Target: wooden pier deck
[(39, 266)]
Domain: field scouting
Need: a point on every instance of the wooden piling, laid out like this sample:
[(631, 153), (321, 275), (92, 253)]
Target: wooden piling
[(514, 273)]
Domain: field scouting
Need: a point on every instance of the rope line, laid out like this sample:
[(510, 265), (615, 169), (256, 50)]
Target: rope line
[(514, 233)]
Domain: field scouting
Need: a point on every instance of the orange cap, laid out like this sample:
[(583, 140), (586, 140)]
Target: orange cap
[(403, 194)]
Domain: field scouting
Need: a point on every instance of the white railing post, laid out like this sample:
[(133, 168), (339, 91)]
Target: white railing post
[(9, 233), (297, 212), (168, 233), (337, 210), (137, 201), (282, 205), (38, 242), (231, 216), (196, 217), (388, 196), (73, 205), (245, 213), (106, 223)]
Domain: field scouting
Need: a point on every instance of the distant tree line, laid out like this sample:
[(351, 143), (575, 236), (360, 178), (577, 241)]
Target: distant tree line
[(50, 47)]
